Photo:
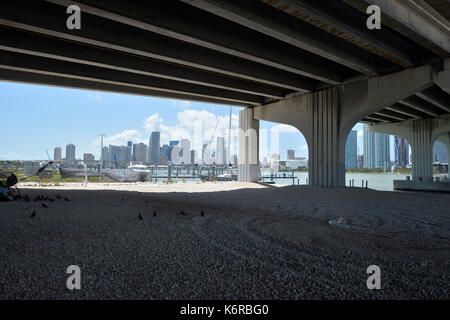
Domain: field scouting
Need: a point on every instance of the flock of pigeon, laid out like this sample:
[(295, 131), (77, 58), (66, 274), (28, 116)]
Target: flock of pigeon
[(140, 217), (41, 198), (44, 205)]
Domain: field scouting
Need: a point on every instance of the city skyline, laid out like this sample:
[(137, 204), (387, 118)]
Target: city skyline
[(173, 118), (47, 110)]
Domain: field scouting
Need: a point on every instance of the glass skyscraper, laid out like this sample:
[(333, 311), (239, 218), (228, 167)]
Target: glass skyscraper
[(369, 148), (351, 151), (401, 152), (376, 150), (440, 153), (382, 151), (153, 147)]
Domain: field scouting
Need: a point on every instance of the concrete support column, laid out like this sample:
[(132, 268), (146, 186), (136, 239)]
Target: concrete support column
[(326, 146), (248, 147), (422, 150)]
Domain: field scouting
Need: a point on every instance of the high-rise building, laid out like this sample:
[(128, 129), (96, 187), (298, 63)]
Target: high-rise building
[(351, 151), (382, 151), (117, 154), (128, 156), (205, 153), (57, 154), (88, 159), (194, 156), (172, 144), (440, 153), (291, 154), (70, 152), (140, 152), (220, 150), (153, 147), (376, 150), (369, 148), (175, 155), (105, 156), (164, 154), (186, 151), (401, 149)]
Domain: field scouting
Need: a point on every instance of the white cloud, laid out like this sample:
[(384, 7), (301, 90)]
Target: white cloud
[(196, 125), (153, 123), (304, 147), (284, 128), (119, 139)]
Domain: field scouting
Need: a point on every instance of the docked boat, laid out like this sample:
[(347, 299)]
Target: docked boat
[(221, 177), (125, 175), (76, 173), (138, 168)]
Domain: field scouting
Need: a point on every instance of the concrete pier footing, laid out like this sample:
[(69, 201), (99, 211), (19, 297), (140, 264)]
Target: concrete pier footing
[(248, 147)]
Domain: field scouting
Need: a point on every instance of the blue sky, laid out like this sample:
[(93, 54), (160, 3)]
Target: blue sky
[(36, 118)]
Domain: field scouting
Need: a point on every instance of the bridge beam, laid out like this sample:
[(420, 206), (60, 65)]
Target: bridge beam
[(43, 18), (269, 21), (419, 17)]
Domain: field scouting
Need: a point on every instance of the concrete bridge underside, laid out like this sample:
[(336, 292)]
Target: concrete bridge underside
[(310, 64)]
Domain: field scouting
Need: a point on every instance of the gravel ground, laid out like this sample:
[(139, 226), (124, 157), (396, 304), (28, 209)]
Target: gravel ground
[(259, 242)]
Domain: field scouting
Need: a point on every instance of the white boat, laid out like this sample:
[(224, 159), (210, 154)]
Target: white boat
[(138, 168)]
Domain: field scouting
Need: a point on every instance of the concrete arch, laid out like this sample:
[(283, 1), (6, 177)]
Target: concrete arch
[(273, 133), (327, 116), (445, 139)]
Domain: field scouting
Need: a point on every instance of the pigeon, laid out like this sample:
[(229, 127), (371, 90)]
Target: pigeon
[(122, 199), (37, 198), (50, 199), (58, 196), (154, 213), (202, 214), (182, 212), (44, 205), (140, 217), (33, 214), (27, 198), (66, 199)]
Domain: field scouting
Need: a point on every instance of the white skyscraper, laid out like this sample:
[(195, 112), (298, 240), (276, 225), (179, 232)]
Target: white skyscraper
[(186, 149), (220, 150), (376, 150)]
